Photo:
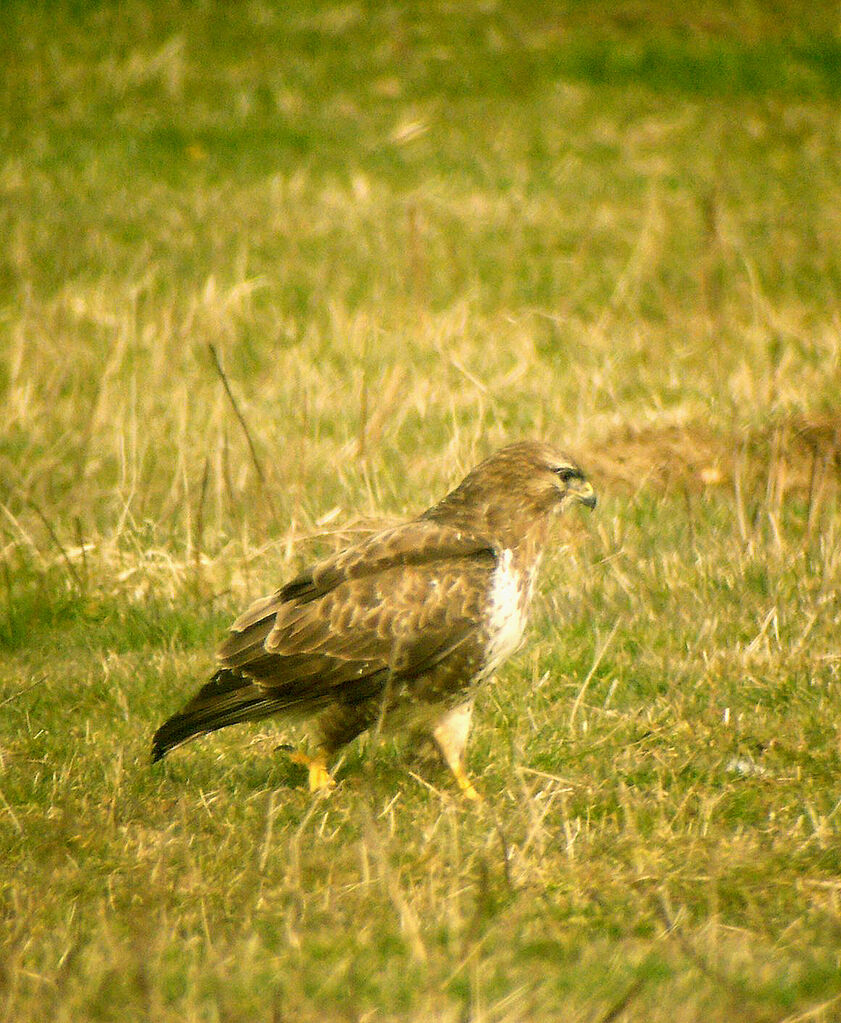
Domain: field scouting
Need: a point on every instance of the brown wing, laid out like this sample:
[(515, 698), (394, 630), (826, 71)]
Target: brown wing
[(398, 603)]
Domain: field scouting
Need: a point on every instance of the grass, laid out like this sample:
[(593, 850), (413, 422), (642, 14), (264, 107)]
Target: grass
[(411, 233)]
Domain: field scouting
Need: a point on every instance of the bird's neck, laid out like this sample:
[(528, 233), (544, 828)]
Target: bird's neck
[(502, 525)]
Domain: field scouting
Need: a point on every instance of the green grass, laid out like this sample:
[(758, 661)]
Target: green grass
[(411, 233)]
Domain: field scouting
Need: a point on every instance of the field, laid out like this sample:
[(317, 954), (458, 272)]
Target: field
[(273, 275)]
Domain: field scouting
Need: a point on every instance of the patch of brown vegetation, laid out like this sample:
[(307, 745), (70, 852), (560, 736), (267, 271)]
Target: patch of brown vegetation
[(798, 453)]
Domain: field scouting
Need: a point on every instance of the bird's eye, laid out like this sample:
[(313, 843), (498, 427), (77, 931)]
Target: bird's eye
[(564, 472)]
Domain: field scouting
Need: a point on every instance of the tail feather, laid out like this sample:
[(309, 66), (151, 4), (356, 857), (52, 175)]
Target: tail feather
[(226, 699)]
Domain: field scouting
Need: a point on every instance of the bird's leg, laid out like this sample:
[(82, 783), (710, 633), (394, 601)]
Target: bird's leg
[(319, 777), (450, 734), (464, 783)]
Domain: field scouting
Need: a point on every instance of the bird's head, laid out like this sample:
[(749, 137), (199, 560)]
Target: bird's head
[(516, 490), (543, 477)]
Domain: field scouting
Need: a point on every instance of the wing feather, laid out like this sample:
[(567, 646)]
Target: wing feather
[(397, 603), (413, 543)]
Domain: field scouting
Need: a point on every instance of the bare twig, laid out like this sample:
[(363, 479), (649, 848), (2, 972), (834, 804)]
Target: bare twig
[(255, 460), (199, 539), (22, 692)]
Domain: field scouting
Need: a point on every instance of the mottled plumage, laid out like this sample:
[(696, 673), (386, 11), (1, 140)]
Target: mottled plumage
[(398, 630)]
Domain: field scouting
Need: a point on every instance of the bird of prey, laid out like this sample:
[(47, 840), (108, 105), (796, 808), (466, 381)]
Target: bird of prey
[(398, 631)]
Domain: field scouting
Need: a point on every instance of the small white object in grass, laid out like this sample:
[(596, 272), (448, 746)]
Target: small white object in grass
[(726, 715), (746, 767)]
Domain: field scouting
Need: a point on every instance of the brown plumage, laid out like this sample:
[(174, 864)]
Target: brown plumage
[(399, 629)]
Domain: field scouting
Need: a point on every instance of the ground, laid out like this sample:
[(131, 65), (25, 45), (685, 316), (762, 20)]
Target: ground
[(274, 275)]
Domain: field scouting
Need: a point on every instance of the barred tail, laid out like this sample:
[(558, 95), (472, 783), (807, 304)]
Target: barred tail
[(226, 699)]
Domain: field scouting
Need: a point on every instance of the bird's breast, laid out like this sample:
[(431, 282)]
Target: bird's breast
[(509, 596)]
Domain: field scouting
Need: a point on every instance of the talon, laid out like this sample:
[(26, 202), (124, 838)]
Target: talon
[(319, 777)]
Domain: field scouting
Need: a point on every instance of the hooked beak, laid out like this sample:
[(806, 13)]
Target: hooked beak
[(584, 493)]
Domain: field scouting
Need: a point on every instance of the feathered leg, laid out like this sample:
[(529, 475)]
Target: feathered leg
[(451, 736), (335, 727), (319, 777)]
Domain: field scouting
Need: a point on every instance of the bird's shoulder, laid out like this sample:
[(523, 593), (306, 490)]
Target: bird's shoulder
[(410, 544)]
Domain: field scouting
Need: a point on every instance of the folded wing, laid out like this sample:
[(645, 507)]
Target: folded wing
[(395, 603)]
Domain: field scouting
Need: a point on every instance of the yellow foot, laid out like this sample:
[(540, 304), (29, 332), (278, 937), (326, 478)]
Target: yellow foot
[(319, 777), (465, 784)]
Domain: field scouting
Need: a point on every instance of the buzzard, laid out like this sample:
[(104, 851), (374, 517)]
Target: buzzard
[(399, 630)]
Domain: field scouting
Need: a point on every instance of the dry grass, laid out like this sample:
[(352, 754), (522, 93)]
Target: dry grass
[(274, 277)]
